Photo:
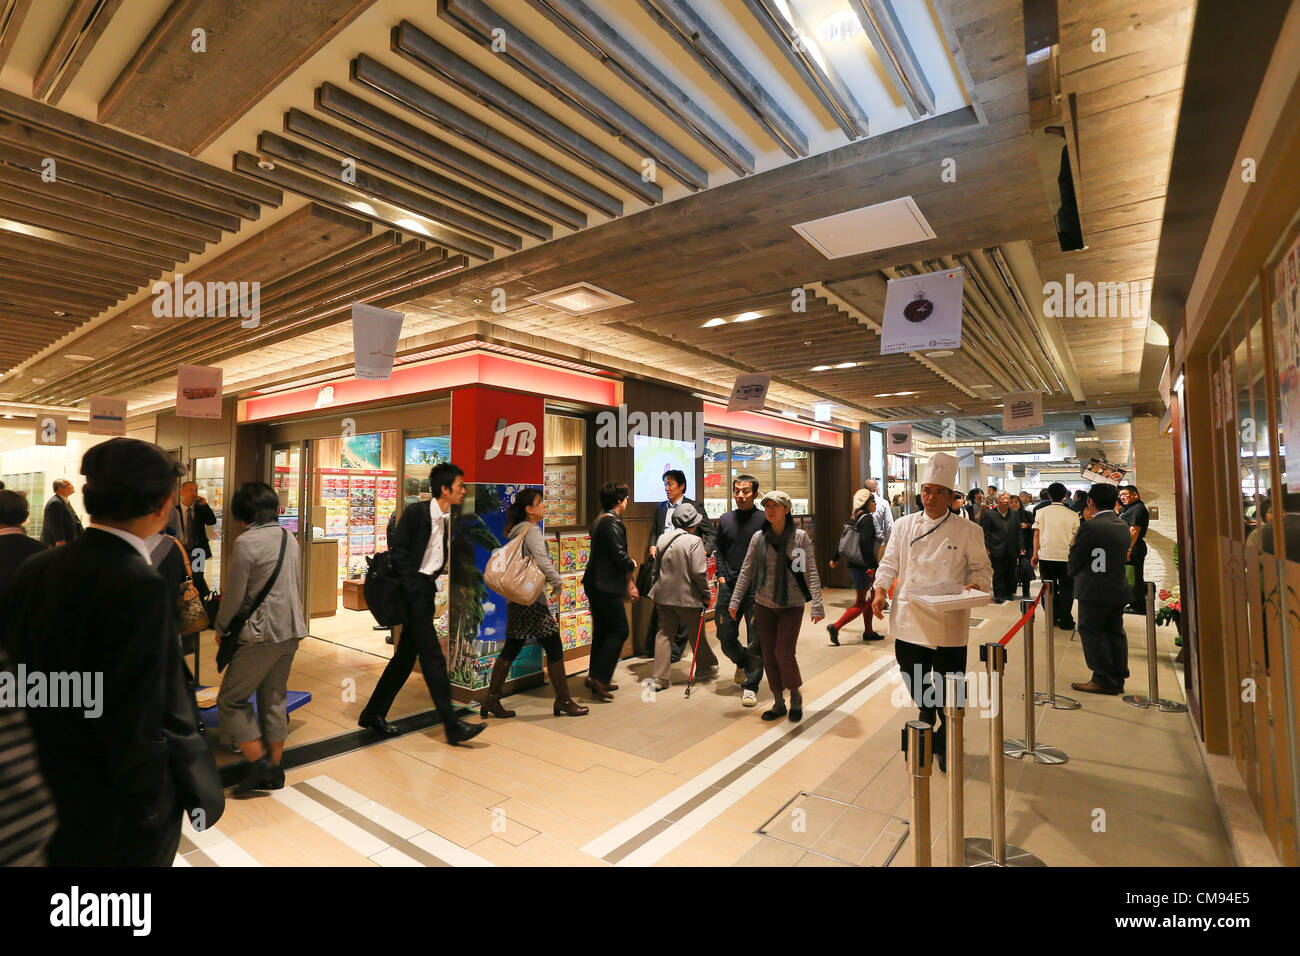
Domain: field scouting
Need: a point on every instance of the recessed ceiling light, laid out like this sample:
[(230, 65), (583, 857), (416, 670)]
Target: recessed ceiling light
[(747, 317), (712, 322), (142, 328), (38, 381), (884, 394), (905, 393), (847, 365), (820, 368), (998, 405), (1105, 361), (59, 312), (74, 357), (265, 164)]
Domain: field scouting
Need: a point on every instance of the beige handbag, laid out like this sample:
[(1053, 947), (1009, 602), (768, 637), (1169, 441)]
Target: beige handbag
[(193, 618), (512, 573)]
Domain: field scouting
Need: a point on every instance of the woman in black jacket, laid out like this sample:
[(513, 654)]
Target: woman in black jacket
[(606, 584)]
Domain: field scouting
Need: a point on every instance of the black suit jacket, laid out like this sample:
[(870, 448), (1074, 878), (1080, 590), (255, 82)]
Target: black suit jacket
[(609, 562), (14, 549), (97, 606), (61, 522), (707, 531), (409, 540), (204, 518), (1001, 535), (1108, 533)]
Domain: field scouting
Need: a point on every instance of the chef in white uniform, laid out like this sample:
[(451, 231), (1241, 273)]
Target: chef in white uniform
[(931, 552)]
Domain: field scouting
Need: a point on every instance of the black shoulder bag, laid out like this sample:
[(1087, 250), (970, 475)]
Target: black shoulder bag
[(230, 641)]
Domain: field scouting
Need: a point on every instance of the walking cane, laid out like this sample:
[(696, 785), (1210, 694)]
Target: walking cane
[(690, 678)]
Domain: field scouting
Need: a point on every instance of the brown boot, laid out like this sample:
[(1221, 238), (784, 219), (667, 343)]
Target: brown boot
[(564, 703), (492, 702)]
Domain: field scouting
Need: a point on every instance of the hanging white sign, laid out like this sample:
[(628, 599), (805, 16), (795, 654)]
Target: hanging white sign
[(749, 393), (375, 333), (198, 391), (108, 416), (922, 312), (1062, 445), (899, 441), (1021, 410)]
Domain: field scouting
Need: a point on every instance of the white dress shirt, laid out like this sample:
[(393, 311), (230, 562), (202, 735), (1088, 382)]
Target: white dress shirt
[(432, 562), (932, 556), (1056, 526), (129, 538)]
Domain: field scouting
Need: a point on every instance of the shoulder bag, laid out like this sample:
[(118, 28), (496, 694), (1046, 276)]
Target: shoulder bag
[(230, 640), (513, 573)]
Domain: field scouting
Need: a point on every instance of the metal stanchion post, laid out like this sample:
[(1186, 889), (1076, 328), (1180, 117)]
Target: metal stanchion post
[(1020, 748), (1058, 701), (996, 851), (1153, 698), (954, 711), (917, 743)]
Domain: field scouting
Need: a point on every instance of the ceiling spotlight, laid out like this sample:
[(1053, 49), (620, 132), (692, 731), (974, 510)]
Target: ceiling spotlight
[(847, 365), (38, 381), (59, 312), (712, 322), (141, 328), (265, 164), (820, 368), (747, 316), (884, 394), (807, 343), (905, 393)]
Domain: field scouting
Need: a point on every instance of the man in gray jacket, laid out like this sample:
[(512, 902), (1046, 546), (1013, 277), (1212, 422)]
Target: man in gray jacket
[(681, 592)]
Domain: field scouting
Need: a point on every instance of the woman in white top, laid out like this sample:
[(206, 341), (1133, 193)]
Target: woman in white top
[(931, 552)]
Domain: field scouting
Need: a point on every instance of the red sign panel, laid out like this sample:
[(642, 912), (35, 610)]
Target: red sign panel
[(496, 436)]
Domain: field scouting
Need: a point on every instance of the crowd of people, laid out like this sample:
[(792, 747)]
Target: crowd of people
[(114, 597)]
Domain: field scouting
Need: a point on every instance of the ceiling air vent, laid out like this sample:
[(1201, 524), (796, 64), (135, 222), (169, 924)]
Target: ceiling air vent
[(580, 298), (898, 222)]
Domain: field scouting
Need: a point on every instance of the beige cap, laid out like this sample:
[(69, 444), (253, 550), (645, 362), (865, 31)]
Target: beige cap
[(860, 498), (778, 497)]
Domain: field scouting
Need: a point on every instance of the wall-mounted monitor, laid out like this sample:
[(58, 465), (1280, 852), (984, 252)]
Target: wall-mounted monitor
[(651, 457)]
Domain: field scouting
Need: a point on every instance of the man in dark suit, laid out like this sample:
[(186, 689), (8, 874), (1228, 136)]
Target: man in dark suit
[(1097, 568), (1002, 541), (96, 608), (61, 525), (675, 491), (192, 519), (419, 546), (15, 546)]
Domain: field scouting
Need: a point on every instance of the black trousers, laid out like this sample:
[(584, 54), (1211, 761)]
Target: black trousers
[(922, 665), (201, 584), (1138, 558), (609, 632), (419, 638), (1004, 575), (1058, 572), (1105, 646)]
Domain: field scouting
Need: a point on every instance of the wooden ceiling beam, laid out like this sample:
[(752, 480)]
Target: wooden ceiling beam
[(383, 244), (370, 185), (365, 116), (373, 74), (825, 83), (693, 34), (81, 30), (605, 43), (30, 284), (12, 13), (363, 150), (116, 255), (887, 36), (26, 249), (424, 51), (477, 20), (111, 224), (135, 247), (375, 210), (54, 272)]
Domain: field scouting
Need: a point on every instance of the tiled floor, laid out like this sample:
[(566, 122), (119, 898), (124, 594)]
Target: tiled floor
[(662, 780)]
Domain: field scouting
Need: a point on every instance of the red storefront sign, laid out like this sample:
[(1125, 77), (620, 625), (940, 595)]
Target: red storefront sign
[(496, 436)]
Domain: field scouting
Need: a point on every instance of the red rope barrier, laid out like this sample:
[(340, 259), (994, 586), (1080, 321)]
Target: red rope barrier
[(1006, 638)]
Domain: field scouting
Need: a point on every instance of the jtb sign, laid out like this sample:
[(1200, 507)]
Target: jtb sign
[(496, 436)]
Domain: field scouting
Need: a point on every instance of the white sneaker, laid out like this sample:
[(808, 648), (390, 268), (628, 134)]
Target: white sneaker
[(739, 676), (748, 699)]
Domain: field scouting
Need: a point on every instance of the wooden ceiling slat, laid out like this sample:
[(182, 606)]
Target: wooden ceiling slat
[(368, 184), (427, 53), (13, 15), (109, 224), (369, 118), (387, 215), (81, 30), (26, 249), (366, 250), (74, 294), (117, 256), (374, 75), (129, 246), (351, 145), (52, 272), (477, 21)]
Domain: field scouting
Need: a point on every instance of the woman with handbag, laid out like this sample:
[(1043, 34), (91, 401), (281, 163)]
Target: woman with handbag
[(261, 621), (524, 621), (862, 565), (608, 583)]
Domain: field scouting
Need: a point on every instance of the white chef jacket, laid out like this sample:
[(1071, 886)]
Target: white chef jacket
[(943, 561)]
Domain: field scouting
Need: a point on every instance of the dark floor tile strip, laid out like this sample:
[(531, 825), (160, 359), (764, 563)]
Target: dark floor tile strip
[(320, 796), (352, 815), (645, 836)]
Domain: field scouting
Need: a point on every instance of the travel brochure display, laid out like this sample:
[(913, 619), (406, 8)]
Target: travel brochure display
[(357, 506), (560, 485), (569, 552)]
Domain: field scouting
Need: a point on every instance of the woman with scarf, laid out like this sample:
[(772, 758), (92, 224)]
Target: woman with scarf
[(783, 572)]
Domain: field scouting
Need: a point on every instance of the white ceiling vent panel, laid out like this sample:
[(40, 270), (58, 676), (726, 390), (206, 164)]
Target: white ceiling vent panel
[(898, 222), (579, 298)]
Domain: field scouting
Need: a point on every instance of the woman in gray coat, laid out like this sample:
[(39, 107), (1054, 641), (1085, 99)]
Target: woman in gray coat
[(532, 620), (681, 593), (267, 642)]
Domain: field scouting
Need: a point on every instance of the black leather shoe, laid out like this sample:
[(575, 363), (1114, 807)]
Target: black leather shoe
[(834, 633), (378, 725), (463, 730), (942, 760)]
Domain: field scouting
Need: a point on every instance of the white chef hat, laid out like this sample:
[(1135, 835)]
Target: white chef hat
[(942, 471)]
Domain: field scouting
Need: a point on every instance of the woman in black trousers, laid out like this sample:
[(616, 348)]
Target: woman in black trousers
[(606, 584)]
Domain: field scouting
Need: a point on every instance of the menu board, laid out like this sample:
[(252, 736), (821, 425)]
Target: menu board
[(560, 486)]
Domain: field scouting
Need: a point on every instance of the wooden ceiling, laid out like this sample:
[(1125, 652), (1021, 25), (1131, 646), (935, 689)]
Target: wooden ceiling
[(405, 144)]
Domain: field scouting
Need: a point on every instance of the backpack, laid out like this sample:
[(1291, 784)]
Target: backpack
[(852, 547), (383, 590), (513, 574)]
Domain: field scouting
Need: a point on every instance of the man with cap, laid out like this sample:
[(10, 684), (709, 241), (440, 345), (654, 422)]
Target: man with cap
[(931, 552), (681, 591)]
